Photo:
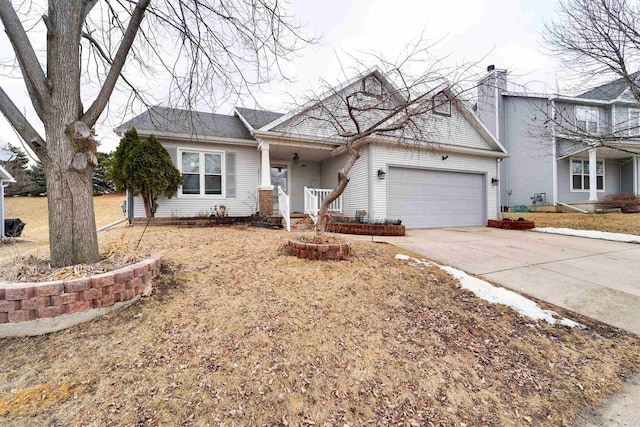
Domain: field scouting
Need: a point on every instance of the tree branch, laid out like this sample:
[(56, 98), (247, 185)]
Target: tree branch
[(91, 116), (29, 64), (20, 123)]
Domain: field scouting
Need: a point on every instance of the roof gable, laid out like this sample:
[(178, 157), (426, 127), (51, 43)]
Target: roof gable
[(463, 128), (610, 91)]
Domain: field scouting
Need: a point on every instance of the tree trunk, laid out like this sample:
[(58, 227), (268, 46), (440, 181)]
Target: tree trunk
[(69, 157), (148, 205), (343, 180)]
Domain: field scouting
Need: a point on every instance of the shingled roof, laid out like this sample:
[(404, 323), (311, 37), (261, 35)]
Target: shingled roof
[(195, 123), (611, 90), (258, 118)]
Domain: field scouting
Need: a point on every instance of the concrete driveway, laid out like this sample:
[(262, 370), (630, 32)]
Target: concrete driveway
[(597, 278)]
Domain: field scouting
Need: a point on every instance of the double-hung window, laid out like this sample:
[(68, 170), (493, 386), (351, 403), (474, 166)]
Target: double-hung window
[(634, 122), (580, 175), (587, 119), (202, 173)]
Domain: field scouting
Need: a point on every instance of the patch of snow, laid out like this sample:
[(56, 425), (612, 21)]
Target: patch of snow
[(591, 234), (496, 295)]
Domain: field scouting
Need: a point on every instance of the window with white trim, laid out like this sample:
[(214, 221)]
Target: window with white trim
[(587, 119), (634, 122), (580, 175), (202, 173), (441, 105)]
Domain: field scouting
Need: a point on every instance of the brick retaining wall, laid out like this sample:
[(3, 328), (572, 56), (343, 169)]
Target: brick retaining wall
[(321, 252), (24, 302), (366, 229), (511, 225)]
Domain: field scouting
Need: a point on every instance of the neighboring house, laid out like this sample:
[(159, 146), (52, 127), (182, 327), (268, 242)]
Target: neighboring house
[(566, 152), (5, 179), (240, 161)]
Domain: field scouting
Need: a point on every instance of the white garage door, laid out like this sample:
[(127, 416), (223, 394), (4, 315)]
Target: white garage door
[(429, 198)]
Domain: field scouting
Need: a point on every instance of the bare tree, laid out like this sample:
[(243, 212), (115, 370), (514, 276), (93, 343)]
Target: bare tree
[(402, 101), (214, 48), (598, 40)]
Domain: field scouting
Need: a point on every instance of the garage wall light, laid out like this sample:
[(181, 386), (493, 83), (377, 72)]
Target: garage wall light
[(381, 174), (495, 181)]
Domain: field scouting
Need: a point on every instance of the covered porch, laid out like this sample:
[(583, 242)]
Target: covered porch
[(296, 178), (586, 177)]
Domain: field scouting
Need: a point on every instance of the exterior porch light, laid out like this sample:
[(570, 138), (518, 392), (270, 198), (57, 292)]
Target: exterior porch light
[(296, 158), (381, 174), (495, 181)]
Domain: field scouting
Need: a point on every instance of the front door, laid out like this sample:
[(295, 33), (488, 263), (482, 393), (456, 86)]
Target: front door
[(279, 177)]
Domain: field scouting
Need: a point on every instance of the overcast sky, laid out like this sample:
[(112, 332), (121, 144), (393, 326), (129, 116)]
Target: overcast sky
[(506, 33)]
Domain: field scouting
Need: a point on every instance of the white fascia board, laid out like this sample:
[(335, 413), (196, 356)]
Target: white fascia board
[(196, 138), (242, 119), (445, 148)]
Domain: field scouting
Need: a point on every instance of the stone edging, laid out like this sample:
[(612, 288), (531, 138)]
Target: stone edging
[(367, 229), (38, 308), (320, 252)]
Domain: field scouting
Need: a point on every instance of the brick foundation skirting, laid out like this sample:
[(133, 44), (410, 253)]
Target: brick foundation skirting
[(193, 221), (320, 252), (367, 229), (511, 225), (40, 301)]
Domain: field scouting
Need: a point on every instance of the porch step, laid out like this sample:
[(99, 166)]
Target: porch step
[(301, 223)]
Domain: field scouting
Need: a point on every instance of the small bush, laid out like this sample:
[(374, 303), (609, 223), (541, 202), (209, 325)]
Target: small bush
[(627, 202)]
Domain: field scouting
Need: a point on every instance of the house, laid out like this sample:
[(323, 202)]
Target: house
[(264, 161), (566, 153)]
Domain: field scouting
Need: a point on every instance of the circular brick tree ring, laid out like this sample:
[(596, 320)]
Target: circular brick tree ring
[(319, 251)]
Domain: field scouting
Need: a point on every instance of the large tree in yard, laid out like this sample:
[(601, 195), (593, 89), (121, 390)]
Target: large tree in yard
[(202, 46)]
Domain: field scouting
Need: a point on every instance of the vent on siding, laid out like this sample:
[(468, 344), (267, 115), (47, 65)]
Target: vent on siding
[(230, 174)]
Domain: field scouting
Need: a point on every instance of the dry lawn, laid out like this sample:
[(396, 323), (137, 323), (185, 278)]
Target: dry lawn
[(239, 333), (34, 212), (614, 223)]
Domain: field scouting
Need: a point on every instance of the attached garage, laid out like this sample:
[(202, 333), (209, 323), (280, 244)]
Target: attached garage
[(424, 198)]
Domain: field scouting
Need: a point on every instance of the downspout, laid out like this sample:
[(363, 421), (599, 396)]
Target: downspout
[(554, 153), (498, 196)]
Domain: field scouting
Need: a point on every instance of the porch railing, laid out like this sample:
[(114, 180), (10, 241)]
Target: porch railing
[(283, 207), (313, 198)]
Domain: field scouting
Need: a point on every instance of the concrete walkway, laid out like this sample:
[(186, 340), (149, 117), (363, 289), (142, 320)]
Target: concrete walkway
[(599, 279)]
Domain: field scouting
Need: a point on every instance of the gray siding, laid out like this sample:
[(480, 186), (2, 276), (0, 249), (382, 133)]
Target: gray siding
[(611, 180), (356, 195), (528, 140), (626, 175), (246, 175), (303, 174), (384, 156)]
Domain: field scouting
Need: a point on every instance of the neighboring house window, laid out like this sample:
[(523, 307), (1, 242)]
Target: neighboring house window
[(580, 174), (202, 173), (441, 105), (587, 119), (634, 121)]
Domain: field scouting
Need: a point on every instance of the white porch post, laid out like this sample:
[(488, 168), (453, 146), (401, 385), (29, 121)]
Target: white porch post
[(265, 167), (593, 178), (636, 174)]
